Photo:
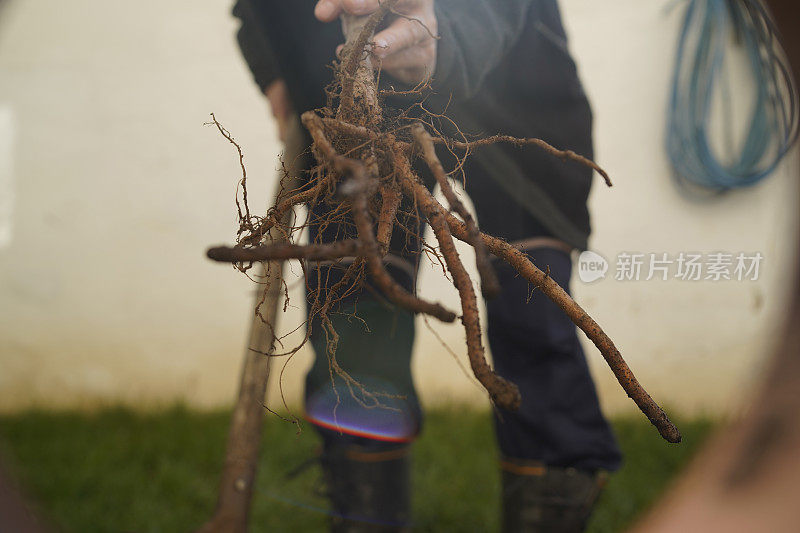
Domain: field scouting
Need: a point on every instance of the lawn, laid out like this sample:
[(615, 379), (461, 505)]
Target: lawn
[(121, 471)]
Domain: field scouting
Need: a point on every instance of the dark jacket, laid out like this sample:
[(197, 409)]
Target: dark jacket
[(508, 69)]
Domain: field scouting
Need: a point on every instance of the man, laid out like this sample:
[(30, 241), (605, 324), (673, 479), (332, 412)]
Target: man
[(498, 67)]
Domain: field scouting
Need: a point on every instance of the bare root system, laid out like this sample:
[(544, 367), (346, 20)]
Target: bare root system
[(364, 176)]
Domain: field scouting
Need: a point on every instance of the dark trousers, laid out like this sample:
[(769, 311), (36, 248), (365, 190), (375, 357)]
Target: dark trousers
[(532, 341)]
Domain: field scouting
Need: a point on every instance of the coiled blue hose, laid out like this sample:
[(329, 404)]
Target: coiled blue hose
[(773, 125)]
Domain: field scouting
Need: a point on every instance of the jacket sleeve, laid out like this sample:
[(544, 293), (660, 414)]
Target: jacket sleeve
[(254, 45), (475, 35)]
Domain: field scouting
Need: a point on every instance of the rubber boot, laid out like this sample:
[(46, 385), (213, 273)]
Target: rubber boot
[(369, 490), (540, 499)]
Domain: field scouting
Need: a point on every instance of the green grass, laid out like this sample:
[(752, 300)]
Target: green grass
[(117, 471)]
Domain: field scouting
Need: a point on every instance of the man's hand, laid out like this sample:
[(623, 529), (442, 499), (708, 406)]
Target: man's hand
[(406, 49), (278, 96)]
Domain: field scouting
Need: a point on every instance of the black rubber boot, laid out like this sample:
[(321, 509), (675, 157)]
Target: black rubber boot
[(369, 490), (539, 499)]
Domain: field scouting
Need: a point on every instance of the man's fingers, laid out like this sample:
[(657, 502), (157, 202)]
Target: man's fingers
[(400, 35), (360, 7), (407, 46), (414, 57), (326, 10), (412, 76), (412, 65), (329, 10)]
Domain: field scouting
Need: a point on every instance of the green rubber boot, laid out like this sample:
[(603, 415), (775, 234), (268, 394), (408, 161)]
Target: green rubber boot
[(540, 499), (369, 490)]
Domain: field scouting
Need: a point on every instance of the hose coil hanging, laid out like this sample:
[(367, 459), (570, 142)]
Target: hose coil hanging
[(773, 125)]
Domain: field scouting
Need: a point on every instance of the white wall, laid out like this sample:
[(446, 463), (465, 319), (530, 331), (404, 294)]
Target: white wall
[(118, 187)]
